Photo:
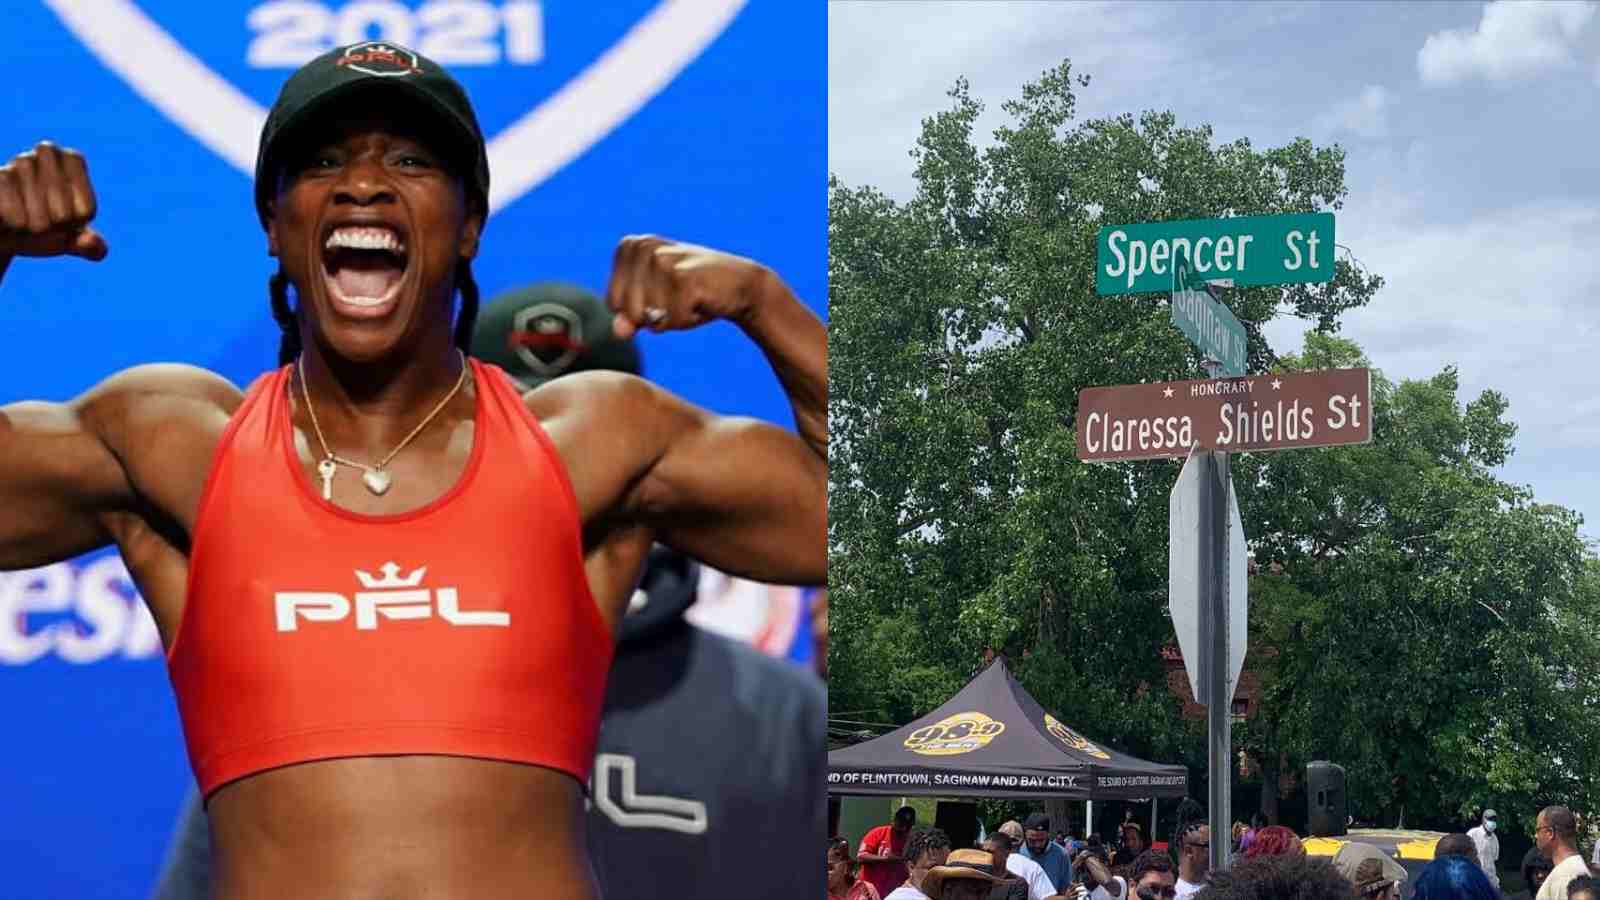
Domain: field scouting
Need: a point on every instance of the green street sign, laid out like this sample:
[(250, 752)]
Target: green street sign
[(1207, 324), (1295, 248)]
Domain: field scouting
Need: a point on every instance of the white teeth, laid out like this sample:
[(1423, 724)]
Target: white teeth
[(365, 239)]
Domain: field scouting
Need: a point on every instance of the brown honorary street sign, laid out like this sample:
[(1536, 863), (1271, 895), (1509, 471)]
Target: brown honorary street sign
[(1283, 411)]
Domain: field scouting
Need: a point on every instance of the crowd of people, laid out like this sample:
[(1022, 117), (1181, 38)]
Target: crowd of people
[(1017, 861), (1024, 861)]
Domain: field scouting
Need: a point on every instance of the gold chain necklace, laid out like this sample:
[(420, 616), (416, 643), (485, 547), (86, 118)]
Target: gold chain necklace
[(376, 479)]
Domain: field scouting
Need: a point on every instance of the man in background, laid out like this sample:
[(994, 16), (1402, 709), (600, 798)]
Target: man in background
[(1556, 836), (670, 790), (1194, 858), (1037, 846), (1486, 845), (1019, 864), (882, 853)]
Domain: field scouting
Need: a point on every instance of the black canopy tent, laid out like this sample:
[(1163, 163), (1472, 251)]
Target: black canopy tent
[(992, 739)]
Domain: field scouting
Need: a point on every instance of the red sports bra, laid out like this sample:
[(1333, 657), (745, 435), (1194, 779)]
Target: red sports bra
[(463, 628)]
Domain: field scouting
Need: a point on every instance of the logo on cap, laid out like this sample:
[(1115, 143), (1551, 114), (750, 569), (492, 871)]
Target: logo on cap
[(547, 337), (381, 58)]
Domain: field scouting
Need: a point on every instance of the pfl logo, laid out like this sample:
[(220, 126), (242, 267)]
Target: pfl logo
[(381, 59), (389, 597)]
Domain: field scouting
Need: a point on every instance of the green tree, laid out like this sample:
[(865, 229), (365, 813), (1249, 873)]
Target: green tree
[(1433, 624)]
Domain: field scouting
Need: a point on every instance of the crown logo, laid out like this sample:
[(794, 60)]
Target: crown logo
[(391, 577)]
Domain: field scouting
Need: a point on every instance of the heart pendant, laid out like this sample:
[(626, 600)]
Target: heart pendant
[(377, 480)]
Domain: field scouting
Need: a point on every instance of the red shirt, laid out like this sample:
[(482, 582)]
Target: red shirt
[(885, 876), (462, 628)]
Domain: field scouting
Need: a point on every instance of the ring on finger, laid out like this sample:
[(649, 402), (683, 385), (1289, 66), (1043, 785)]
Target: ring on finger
[(655, 315)]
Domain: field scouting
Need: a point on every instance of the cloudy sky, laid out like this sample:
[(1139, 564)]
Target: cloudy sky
[(1473, 139)]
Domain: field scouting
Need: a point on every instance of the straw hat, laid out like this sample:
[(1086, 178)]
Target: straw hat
[(972, 865), (1367, 867)]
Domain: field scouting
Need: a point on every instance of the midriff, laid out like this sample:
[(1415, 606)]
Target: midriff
[(401, 828)]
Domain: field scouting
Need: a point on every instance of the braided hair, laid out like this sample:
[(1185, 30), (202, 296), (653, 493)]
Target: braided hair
[(289, 345), (925, 840)]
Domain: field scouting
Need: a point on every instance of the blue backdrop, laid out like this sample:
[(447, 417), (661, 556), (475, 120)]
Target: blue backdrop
[(696, 119)]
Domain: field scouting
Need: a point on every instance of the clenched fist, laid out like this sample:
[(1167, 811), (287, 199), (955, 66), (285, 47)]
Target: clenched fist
[(46, 203), (664, 285)]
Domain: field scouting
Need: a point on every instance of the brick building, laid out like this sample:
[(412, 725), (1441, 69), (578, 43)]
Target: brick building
[(1244, 699)]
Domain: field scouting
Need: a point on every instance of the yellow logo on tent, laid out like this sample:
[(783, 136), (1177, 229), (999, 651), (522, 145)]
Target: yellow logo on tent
[(1071, 738), (960, 733)]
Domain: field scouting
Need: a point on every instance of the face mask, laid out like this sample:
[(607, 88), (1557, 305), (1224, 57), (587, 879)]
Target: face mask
[(1488, 825)]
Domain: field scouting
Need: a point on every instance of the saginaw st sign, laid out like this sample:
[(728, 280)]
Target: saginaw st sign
[(1282, 411), (1208, 324)]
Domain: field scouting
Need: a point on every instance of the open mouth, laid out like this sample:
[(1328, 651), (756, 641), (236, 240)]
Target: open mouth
[(363, 268)]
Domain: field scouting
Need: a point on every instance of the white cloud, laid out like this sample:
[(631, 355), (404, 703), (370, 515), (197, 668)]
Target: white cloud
[(1365, 115), (1513, 40), (890, 64), (1504, 296)]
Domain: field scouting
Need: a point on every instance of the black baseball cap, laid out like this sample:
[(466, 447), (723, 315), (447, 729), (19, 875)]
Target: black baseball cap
[(375, 66), (1037, 822), (550, 329)]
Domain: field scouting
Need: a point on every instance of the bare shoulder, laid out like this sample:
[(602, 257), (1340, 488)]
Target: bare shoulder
[(80, 474), (159, 391), (168, 381), (616, 398), (159, 417)]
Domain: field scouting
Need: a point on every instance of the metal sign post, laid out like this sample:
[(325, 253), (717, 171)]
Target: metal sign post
[(1214, 580), (1214, 662)]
